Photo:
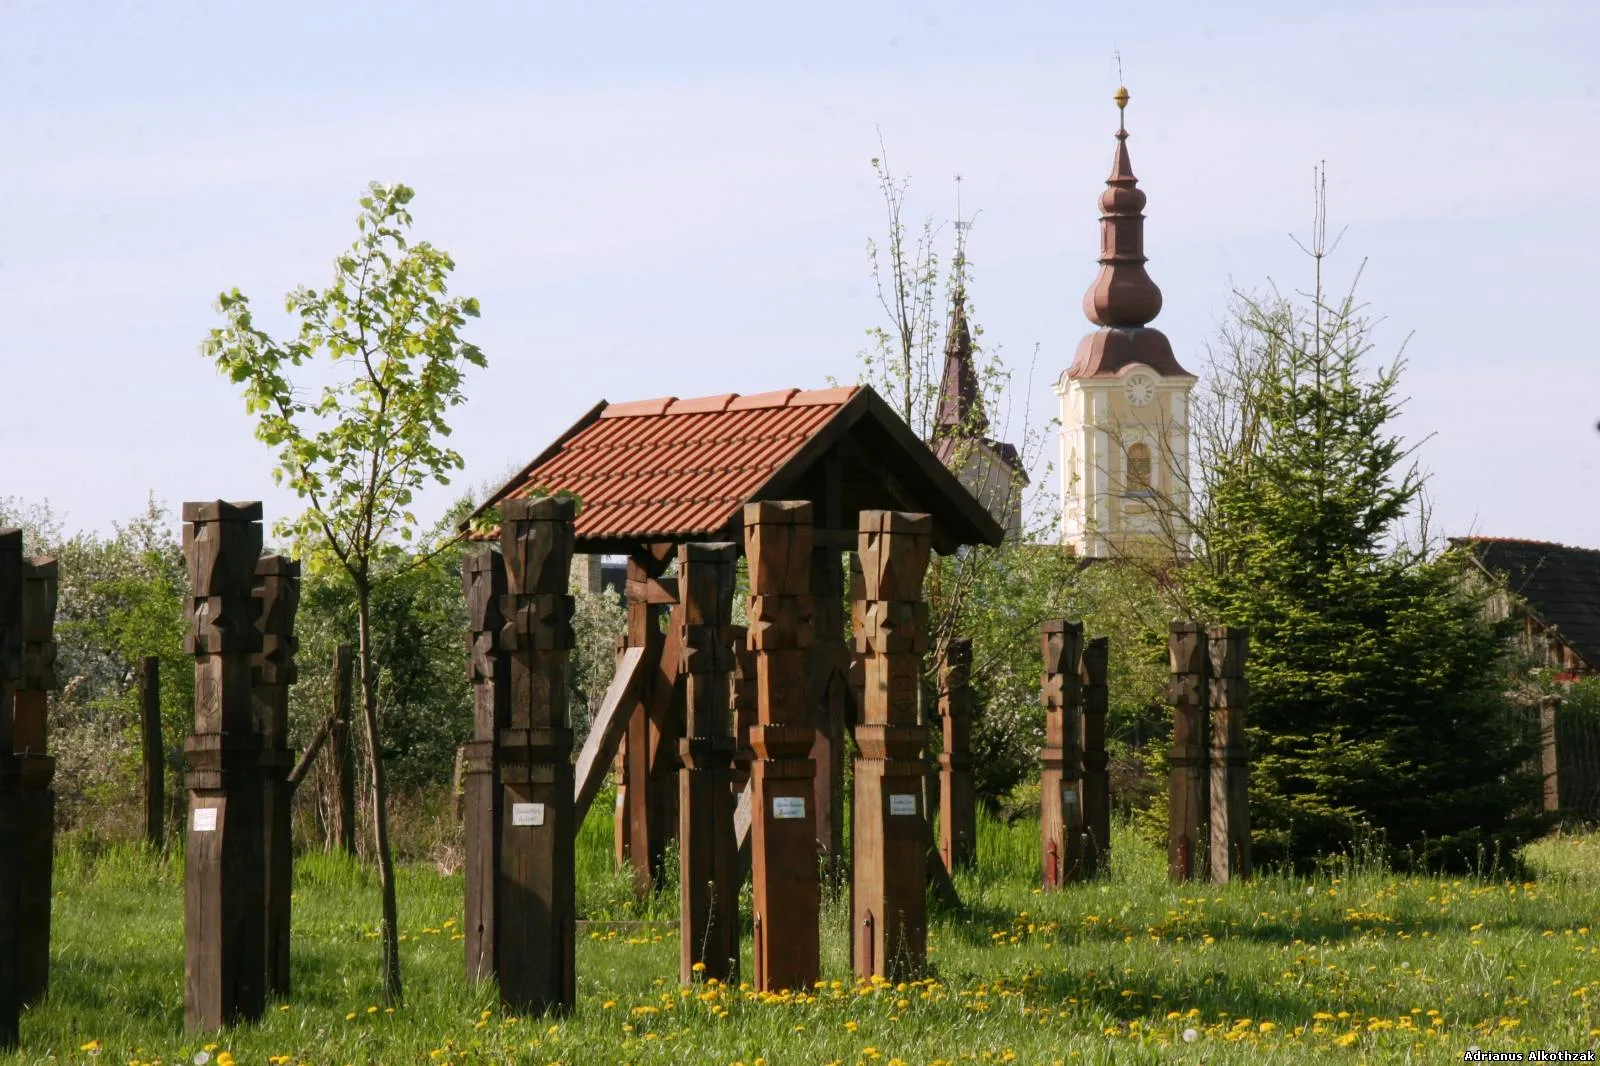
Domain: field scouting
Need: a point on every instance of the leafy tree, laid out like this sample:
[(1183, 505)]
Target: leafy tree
[(1377, 700), (359, 451)]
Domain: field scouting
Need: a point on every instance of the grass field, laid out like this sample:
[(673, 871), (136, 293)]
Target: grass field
[(1355, 967)]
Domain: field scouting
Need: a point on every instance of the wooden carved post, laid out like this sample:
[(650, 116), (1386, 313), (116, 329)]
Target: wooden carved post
[(483, 578), (224, 904), (535, 903), (277, 596), (343, 754), (958, 805), (11, 582), (891, 838), (645, 809), (152, 753), (1188, 820), (1549, 754), (777, 538), (35, 802), (1060, 817), (1096, 776), (708, 876), (1230, 757)]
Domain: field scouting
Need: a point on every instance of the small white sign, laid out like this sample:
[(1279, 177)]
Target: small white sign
[(205, 819), (1069, 796), (788, 806), (527, 814), (621, 800), (902, 803)]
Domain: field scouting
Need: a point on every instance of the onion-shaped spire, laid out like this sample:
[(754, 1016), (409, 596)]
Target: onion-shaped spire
[(1122, 293)]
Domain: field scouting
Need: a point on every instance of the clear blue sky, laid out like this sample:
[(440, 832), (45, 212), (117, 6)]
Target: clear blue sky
[(674, 199)]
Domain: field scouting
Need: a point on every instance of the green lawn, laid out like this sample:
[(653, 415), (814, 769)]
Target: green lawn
[(1362, 967)]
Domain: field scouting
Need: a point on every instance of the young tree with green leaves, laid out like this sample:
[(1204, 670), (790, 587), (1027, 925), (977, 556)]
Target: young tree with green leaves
[(359, 448)]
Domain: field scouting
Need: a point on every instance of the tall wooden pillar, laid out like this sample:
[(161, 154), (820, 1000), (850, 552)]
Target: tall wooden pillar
[(708, 877), (277, 595), (35, 802), (483, 578), (1096, 775), (11, 582), (1549, 753), (958, 804), (646, 807), (1188, 817), (890, 839), (535, 903), (1060, 810), (777, 537), (1230, 756), (224, 870)]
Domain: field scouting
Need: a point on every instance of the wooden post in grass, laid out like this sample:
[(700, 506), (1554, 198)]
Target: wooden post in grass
[(645, 806), (1096, 775), (1060, 817), (483, 577), (277, 597), (1188, 817), (1230, 757), (343, 752), (890, 836), (535, 903), (958, 805), (777, 537), (11, 611), (224, 906), (708, 877), (152, 754), (36, 803)]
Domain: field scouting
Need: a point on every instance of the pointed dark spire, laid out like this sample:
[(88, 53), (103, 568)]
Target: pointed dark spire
[(960, 405), (1122, 293)]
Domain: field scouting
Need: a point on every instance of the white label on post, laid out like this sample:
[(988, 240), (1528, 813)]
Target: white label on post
[(902, 803), (205, 819), (620, 799), (788, 806), (527, 814), (1069, 796)]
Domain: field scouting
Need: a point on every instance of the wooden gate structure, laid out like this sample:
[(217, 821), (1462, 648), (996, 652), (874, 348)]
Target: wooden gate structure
[(656, 475)]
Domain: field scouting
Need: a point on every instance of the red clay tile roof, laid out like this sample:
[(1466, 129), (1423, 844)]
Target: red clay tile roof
[(677, 468), (671, 470)]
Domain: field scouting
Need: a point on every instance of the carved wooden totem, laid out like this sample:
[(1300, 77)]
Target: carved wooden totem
[(958, 804), (224, 869), (277, 596), (777, 538), (1096, 776), (11, 612), (1060, 806), (483, 578), (651, 743), (1230, 757), (708, 875), (890, 839), (35, 802), (1188, 817)]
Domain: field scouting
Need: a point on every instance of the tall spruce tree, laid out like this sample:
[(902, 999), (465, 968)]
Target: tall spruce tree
[(1378, 706)]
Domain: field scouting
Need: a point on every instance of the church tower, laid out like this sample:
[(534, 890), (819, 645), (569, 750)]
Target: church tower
[(1125, 399)]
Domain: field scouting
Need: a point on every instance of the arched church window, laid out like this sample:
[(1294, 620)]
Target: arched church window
[(1138, 468)]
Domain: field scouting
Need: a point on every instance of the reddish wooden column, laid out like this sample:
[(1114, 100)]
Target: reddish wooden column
[(777, 537), (277, 595), (483, 578), (1230, 757), (958, 804), (224, 870), (645, 805), (1096, 776), (36, 803), (1060, 812), (535, 903), (708, 872), (890, 832), (11, 582), (1188, 789)]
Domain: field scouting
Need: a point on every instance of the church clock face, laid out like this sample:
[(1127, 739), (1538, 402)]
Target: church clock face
[(1141, 389)]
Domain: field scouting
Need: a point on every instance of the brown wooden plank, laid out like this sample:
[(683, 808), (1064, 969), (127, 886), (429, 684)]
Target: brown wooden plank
[(606, 731)]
